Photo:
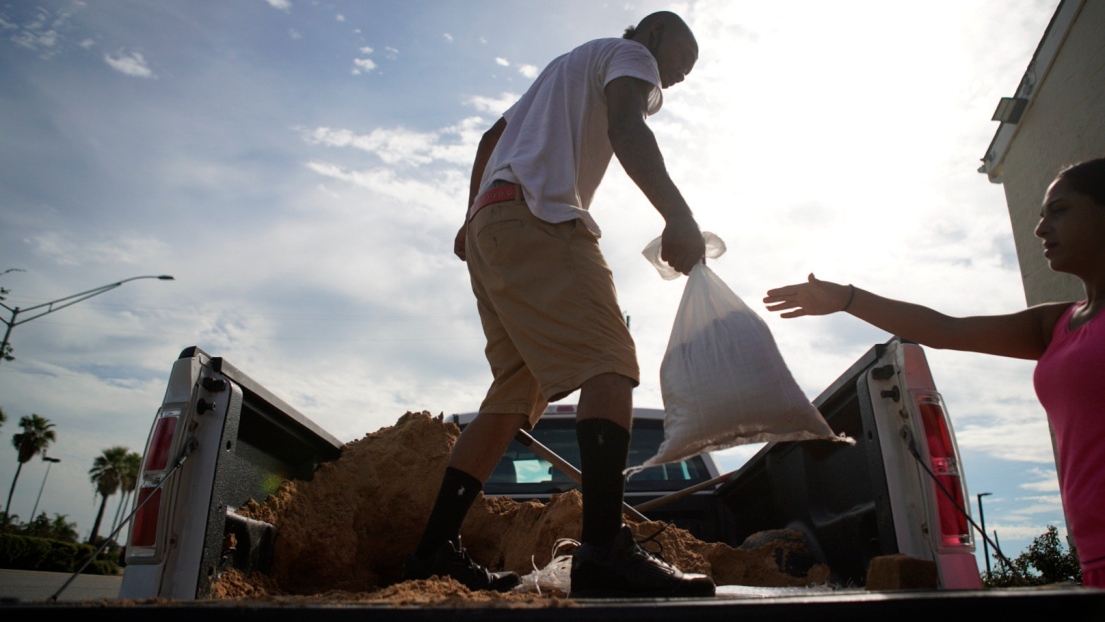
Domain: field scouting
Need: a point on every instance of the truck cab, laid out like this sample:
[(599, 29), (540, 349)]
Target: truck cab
[(524, 475)]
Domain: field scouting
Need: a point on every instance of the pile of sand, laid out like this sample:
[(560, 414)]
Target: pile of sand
[(344, 535)]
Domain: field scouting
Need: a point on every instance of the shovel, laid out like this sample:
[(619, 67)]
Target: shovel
[(679, 494)]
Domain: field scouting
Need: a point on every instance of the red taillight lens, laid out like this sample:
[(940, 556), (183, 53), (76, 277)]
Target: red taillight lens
[(157, 455), (944, 462), (144, 532)]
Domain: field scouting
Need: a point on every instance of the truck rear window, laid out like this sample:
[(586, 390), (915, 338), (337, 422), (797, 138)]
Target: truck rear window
[(522, 472)]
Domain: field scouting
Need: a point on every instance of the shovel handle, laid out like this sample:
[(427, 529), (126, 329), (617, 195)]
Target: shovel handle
[(566, 467), (679, 494)]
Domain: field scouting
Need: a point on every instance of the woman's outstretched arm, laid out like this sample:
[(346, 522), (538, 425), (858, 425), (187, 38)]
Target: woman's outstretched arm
[(1023, 334)]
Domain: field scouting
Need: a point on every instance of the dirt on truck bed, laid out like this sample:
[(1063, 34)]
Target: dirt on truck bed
[(344, 535)]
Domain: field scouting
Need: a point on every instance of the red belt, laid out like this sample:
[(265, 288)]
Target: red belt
[(497, 194)]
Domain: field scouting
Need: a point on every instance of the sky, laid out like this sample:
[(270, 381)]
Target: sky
[(300, 168)]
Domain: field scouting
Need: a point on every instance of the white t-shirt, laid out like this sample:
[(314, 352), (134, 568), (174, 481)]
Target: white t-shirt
[(555, 143)]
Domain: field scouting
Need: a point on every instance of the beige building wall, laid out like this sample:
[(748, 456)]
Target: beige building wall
[(1063, 123)]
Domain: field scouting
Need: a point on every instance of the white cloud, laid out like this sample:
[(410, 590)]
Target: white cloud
[(1048, 481), (41, 31), (448, 37), (387, 183), (283, 5), (363, 65), (133, 64), (400, 146), (502, 61), (294, 34), (529, 71), (36, 39), (339, 17), (366, 50), (323, 188), (493, 105), (65, 249)]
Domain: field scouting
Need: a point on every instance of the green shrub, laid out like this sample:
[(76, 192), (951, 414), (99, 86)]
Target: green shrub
[(12, 548), (29, 553), (63, 556), (22, 552), (103, 567)]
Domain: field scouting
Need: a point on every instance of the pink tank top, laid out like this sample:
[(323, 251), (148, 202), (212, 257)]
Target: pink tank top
[(1070, 384)]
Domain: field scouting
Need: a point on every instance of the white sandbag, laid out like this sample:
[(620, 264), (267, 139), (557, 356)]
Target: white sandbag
[(723, 380), (556, 575)]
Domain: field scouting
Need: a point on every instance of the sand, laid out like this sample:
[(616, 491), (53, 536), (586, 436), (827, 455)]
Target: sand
[(343, 536)]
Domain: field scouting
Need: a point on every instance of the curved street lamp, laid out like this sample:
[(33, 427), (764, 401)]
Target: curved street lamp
[(982, 519), (60, 303), (49, 463)]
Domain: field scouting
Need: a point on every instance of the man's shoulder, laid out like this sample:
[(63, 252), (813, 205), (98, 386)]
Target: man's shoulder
[(613, 43), (610, 52)]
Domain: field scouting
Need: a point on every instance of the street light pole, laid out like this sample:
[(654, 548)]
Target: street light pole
[(57, 305), (982, 522), (49, 463)]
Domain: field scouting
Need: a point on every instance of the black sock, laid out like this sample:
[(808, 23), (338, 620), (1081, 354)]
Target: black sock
[(603, 452), (458, 491)]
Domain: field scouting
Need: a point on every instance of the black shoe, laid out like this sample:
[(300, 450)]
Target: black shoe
[(622, 568), (451, 560)]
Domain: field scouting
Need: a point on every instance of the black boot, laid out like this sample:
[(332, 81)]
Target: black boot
[(451, 560), (622, 569)]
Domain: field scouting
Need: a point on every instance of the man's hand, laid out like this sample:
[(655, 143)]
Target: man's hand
[(812, 298), (681, 245), (458, 243)]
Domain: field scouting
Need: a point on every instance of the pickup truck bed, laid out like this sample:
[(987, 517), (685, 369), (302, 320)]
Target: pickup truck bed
[(237, 433)]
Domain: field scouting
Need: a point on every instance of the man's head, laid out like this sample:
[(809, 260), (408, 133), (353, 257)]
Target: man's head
[(671, 43)]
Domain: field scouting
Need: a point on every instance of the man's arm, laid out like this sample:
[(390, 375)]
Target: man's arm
[(635, 145), (483, 154)]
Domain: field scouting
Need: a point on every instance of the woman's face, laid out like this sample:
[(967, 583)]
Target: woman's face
[(1072, 228)]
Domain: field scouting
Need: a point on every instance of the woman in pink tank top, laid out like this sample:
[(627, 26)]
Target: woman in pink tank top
[(1067, 339)]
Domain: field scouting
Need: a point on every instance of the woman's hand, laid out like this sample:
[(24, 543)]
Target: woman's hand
[(812, 298)]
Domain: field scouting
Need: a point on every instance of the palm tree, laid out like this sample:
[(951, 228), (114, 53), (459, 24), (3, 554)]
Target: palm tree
[(129, 481), (36, 436), (107, 475), (63, 529)]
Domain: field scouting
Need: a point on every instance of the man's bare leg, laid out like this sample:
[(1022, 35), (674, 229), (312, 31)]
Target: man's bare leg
[(607, 396), (482, 443)]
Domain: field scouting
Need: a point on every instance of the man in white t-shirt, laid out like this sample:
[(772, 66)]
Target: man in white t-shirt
[(547, 302)]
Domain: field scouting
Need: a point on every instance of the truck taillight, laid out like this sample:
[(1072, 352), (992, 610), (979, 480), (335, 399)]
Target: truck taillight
[(144, 532), (161, 443), (159, 448), (943, 456)]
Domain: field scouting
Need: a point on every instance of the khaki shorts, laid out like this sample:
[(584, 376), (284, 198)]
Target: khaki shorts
[(548, 306)]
